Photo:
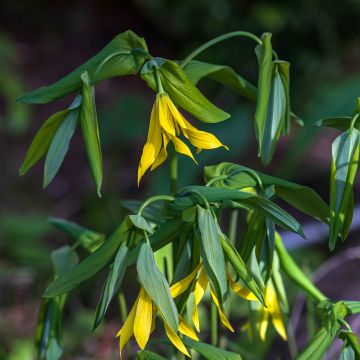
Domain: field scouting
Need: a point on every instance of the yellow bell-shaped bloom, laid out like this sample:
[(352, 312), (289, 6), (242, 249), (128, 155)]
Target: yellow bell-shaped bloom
[(140, 323), (166, 124), (201, 285), (265, 314)]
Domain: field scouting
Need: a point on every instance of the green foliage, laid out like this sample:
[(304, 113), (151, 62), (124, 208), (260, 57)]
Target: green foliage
[(179, 239)]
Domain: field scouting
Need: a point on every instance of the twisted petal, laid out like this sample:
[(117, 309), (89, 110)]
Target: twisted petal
[(143, 319), (186, 329), (222, 316), (174, 338), (181, 286), (127, 329), (276, 317), (199, 292), (242, 292), (153, 144), (165, 116), (162, 154), (182, 148), (264, 322)]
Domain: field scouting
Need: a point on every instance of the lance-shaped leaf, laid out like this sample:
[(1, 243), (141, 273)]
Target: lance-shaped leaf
[(248, 200), (266, 250), (156, 285), (89, 239), (340, 123), (60, 146), (344, 164), (181, 90), (211, 352), (211, 252), (234, 176), (239, 266), (45, 135), (112, 283), (264, 55), (90, 265), (284, 71), (225, 75), (351, 346), (42, 140), (124, 55), (90, 130), (353, 307), (148, 355)]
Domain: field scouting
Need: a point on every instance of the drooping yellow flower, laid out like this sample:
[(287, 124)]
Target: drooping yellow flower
[(201, 285), (272, 311), (166, 124), (140, 323)]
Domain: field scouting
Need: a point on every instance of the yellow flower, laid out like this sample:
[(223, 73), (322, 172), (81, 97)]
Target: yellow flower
[(272, 311), (166, 124), (141, 322), (201, 284)]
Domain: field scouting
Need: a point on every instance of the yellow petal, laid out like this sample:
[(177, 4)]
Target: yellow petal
[(199, 292), (127, 329), (182, 148), (165, 118), (153, 144), (176, 114), (179, 287), (242, 292), (203, 139), (174, 338), (222, 316), (264, 322), (143, 319), (162, 154), (275, 311), (186, 329)]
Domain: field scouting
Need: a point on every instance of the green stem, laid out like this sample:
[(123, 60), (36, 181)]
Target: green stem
[(294, 272), (213, 324), (216, 40), (153, 199), (173, 171)]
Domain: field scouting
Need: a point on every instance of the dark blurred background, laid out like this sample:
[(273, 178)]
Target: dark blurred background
[(40, 41)]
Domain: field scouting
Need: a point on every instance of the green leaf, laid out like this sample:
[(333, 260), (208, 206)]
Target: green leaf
[(325, 335), (293, 271), (274, 120), (255, 233), (340, 123), (148, 355), (240, 268), (112, 283), (64, 259), (210, 352), (254, 202), (156, 285), (225, 75), (266, 250), (118, 58), (353, 307), (140, 222), (90, 265), (59, 146), (211, 252), (264, 55), (154, 212), (344, 164), (351, 346), (89, 239), (182, 91), (42, 140), (90, 129), (284, 72), (234, 176)]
